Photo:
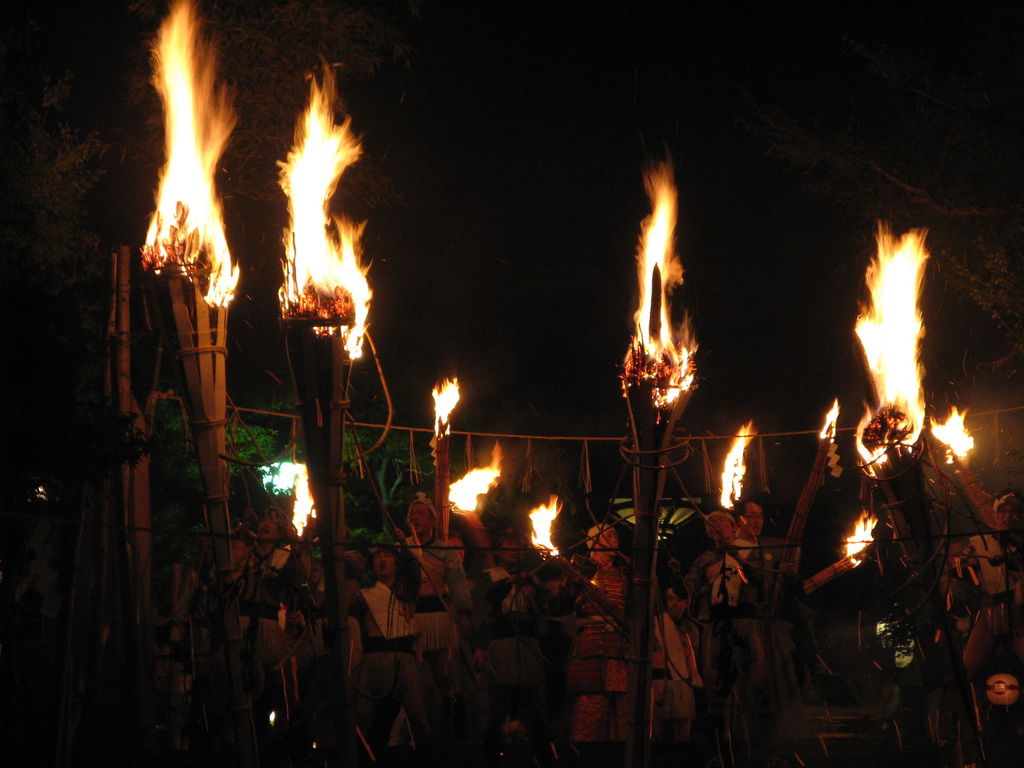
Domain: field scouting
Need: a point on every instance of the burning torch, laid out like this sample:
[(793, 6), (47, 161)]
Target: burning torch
[(826, 438), (956, 443), (657, 381), (324, 302), (446, 397), (890, 329), (192, 281), (856, 552)]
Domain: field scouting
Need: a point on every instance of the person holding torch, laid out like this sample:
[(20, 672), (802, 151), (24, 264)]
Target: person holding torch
[(444, 591)]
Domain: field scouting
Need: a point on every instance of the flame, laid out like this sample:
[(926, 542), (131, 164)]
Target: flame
[(890, 330), (464, 493), (187, 231), (541, 518), (446, 396), (667, 355), (303, 509), (323, 276), (954, 435), (828, 431), (861, 537), (735, 469)]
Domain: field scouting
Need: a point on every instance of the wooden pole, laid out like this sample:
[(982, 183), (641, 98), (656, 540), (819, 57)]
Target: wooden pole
[(906, 492), (321, 369), (796, 525), (834, 571), (652, 431), (442, 479), (199, 334), (137, 522)]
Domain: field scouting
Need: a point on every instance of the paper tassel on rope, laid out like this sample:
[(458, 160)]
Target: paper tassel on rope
[(995, 439), (709, 487), (415, 476), (294, 440), (529, 470), (584, 479), (762, 466), (834, 467)]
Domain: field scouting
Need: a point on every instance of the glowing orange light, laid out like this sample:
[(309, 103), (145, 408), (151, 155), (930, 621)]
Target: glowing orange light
[(667, 355), (954, 435), (542, 518), (186, 232), (303, 509), (828, 431), (890, 329), (323, 275), (735, 468), (861, 537), (465, 492), (446, 397)]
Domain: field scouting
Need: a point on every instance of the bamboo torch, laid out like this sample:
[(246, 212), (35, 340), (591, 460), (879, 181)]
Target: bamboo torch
[(956, 444), (446, 397), (856, 551), (542, 517), (657, 380), (889, 437), (324, 302), (803, 505), (192, 280)]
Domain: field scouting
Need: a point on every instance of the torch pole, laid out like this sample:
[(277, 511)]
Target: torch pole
[(652, 437), (321, 369), (964, 481), (837, 569), (137, 539), (442, 479), (910, 509), (796, 525), (200, 335)]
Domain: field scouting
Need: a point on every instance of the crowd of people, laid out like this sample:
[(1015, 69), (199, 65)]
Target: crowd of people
[(479, 642)]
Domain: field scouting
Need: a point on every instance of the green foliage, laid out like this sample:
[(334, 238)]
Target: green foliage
[(387, 469)]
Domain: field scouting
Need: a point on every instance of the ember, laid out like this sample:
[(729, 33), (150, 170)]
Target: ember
[(889, 427)]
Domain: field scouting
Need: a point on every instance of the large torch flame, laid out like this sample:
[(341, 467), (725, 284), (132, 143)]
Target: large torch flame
[(465, 492), (828, 431), (187, 232), (954, 435), (446, 397), (735, 468), (663, 353), (890, 330), (542, 518), (861, 537), (303, 508), (323, 276)]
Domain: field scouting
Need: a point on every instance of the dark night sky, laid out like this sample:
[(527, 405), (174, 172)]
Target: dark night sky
[(516, 141)]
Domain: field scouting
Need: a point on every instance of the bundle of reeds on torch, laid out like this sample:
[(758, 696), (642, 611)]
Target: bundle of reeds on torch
[(191, 281), (857, 546), (657, 381), (324, 305)]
